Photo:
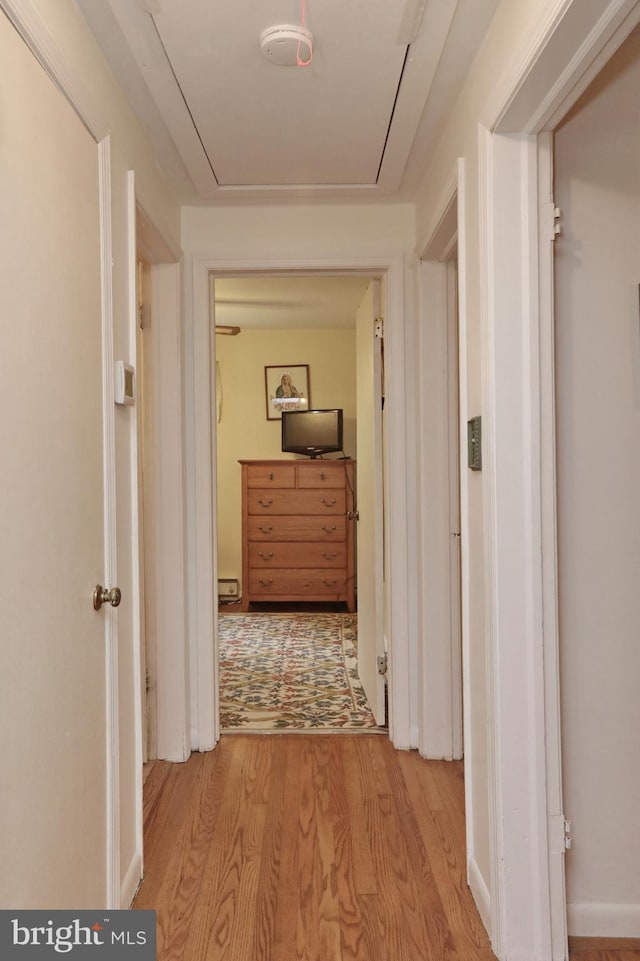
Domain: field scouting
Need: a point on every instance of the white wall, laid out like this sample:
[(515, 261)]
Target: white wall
[(598, 422), (93, 82)]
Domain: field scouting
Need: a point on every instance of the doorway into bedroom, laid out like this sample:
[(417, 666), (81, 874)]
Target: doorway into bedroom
[(300, 664)]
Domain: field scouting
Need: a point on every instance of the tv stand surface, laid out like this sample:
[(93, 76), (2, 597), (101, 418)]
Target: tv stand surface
[(298, 531)]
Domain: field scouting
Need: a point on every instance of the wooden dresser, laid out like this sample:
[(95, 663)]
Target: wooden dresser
[(297, 535)]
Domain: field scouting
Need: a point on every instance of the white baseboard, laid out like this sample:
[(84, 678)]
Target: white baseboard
[(131, 881), (597, 920), (480, 893)]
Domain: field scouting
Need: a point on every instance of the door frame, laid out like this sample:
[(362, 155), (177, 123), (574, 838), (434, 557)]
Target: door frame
[(444, 720), (569, 46), (201, 455), (441, 703)]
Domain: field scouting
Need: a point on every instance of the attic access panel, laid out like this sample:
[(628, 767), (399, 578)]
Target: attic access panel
[(259, 124)]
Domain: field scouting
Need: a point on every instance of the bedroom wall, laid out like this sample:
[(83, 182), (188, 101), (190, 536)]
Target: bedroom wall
[(243, 430), (597, 153)]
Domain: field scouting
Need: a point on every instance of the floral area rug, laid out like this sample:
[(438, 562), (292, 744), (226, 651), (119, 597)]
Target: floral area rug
[(288, 672)]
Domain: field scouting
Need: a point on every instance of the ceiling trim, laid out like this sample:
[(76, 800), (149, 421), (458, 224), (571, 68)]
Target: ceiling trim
[(420, 69), (141, 35)]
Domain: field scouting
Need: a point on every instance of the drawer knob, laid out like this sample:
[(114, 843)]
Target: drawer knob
[(265, 530), (330, 556), (328, 530), (265, 557), (266, 581), (323, 476), (328, 501), (271, 475), (328, 581), (265, 503)]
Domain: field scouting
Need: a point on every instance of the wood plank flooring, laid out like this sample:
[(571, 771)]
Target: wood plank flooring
[(308, 848), (314, 848)]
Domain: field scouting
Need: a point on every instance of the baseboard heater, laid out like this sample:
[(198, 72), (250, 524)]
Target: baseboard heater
[(228, 588)]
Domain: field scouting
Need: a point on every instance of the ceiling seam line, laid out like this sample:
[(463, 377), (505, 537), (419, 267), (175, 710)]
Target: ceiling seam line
[(184, 99), (393, 110)]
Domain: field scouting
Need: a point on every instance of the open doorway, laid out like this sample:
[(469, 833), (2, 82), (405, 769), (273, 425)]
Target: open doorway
[(318, 326), (597, 403), (452, 721), (443, 407)]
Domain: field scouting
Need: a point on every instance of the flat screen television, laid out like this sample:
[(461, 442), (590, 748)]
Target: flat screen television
[(311, 432)]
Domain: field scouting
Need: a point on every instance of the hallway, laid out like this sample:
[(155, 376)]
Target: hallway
[(319, 847)]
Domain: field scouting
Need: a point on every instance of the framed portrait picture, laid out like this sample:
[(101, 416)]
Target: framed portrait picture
[(286, 388)]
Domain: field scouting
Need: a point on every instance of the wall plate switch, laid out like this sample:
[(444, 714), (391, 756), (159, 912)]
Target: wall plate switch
[(474, 443)]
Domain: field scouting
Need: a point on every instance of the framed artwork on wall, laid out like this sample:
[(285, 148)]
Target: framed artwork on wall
[(286, 388)]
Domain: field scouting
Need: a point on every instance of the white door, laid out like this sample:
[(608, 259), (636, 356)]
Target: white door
[(370, 499), (52, 641)]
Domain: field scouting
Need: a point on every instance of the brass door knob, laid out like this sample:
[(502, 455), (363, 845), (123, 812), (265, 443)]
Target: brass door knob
[(103, 596)]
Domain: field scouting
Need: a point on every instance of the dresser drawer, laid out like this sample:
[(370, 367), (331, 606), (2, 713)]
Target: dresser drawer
[(297, 538), (297, 502), (302, 554), (300, 583), (271, 475), (301, 528), (321, 475)]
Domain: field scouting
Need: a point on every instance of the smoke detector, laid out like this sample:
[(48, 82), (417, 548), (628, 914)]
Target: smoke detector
[(287, 45)]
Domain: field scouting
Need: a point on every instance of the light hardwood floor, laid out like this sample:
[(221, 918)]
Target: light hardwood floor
[(326, 848), (314, 847)]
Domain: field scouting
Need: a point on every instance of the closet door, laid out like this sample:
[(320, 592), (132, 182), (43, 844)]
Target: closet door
[(52, 684)]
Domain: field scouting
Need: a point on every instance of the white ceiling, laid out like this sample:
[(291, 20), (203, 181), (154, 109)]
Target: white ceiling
[(229, 126), (279, 302)]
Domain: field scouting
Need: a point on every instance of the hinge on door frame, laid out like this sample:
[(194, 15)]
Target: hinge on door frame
[(552, 216), (378, 328), (383, 664), (560, 830), (568, 840)]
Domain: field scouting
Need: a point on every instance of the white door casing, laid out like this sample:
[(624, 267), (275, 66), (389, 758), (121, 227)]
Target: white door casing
[(201, 475), (370, 559), (439, 502)]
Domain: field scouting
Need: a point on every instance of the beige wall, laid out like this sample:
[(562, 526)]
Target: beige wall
[(598, 417), (244, 431)]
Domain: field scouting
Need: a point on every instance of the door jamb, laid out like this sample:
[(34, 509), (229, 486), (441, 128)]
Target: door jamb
[(439, 712), (201, 457)]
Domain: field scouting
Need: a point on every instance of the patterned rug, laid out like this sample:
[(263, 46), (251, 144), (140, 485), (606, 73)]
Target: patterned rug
[(288, 672)]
